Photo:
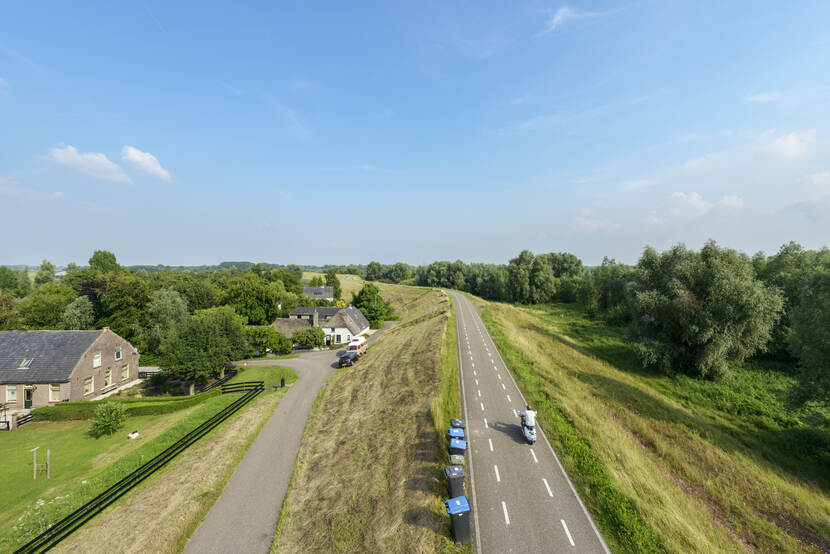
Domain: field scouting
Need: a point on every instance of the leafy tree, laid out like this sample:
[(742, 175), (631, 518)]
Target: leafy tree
[(263, 338), (811, 339), (72, 268), (694, 311), (374, 271), (204, 344), (45, 274), (253, 298), (166, 311), (78, 315), (296, 271), (334, 282), (397, 273), (123, 302), (103, 261), (371, 303), (316, 281), (8, 311), (309, 338), (200, 294), (44, 307), (518, 277), (543, 283), (8, 279), (24, 283), (564, 265), (109, 418)]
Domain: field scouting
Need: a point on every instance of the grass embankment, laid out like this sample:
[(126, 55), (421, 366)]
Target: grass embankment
[(668, 463), (368, 473), (28, 506), (349, 284)]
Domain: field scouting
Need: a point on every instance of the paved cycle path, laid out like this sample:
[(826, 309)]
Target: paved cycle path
[(245, 516)]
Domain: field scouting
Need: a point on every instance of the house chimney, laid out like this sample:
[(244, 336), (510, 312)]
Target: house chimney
[(315, 319)]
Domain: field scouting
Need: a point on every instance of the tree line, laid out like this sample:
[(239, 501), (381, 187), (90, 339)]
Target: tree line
[(688, 311)]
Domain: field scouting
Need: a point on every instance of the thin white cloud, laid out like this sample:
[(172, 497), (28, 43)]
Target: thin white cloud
[(653, 219), (763, 97), (691, 204), (291, 117), (565, 14), (792, 145), (26, 194), (596, 224), (95, 164), (732, 201), (637, 184), (144, 161)]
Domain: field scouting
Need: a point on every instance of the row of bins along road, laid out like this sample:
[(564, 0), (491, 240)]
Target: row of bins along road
[(458, 507)]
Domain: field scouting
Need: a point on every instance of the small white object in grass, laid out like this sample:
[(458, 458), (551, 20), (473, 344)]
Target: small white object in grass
[(133, 435)]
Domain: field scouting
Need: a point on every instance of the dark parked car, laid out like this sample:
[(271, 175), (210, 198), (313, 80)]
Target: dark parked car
[(348, 359)]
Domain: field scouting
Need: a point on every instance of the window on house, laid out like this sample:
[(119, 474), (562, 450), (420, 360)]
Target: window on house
[(107, 377), (54, 393), (88, 386), (337, 339), (118, 353), (25, 363), (11, 393), (96, 360), (125, 373)]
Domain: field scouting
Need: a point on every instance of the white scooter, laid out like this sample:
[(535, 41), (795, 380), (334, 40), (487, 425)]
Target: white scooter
[(529, 432)]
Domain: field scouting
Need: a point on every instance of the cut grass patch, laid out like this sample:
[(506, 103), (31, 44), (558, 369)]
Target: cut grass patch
[(367, 474)]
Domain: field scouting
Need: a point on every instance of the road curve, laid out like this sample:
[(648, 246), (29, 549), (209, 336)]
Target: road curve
[(521, 497), (245, 516)]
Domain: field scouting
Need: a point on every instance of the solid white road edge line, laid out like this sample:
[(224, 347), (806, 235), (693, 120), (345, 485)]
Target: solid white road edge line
[(570, 538)]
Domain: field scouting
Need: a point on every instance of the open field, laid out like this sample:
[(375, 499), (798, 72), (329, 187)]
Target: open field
[(368, 472), (668, 463), (27, 506), (350, 284)]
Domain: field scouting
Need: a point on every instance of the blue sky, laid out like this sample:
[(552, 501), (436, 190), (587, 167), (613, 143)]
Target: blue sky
[(190, 133)]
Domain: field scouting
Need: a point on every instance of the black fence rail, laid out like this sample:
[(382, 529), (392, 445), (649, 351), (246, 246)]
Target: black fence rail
[(243, 386), (229, 374), (23, 420), (63, 528)]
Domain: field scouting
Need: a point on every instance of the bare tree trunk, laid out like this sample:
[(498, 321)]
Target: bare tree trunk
[(222, 372), (192, 388)]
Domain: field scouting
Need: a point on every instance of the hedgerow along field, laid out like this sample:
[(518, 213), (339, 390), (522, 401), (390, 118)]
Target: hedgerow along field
[(669, 463), (368, 476), (83, 466)]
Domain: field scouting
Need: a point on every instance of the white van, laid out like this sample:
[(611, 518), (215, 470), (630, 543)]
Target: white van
[(357, 345)]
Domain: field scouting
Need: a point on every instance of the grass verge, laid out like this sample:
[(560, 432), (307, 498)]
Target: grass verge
[(367, 473)]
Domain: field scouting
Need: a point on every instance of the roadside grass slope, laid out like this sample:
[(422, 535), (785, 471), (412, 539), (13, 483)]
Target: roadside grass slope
[(350, 284), (368, 472), (664, 463), (78, 457)]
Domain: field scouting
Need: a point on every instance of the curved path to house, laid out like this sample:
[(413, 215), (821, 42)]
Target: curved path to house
[(245, 516)]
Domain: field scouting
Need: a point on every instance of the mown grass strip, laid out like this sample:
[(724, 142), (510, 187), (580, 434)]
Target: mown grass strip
[(614, 513)]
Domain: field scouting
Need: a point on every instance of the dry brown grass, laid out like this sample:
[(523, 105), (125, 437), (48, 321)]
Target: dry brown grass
[(367, 472), (698, 494), (161, 513)]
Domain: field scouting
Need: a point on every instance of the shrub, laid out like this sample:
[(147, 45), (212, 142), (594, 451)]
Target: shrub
[(109, 417)]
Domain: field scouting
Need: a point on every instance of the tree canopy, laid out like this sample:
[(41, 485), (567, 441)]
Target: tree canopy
[(78, 315), (44, 307), (369, 301)]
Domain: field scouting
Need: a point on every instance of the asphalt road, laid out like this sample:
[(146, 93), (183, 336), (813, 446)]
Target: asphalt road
[(521, 497), (245, 516)]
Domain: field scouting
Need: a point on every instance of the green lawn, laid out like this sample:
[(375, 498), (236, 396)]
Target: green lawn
[(27, 505)]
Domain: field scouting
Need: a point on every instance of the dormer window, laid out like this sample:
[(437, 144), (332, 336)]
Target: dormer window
[(25, 363), (118, 353)]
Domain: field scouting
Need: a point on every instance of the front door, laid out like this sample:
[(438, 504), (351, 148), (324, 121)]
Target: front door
[(27, 397)]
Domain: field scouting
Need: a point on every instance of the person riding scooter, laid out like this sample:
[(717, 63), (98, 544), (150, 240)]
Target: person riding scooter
[(528, 418)]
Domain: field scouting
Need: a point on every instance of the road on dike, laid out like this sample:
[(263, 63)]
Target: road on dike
[(521, 497), (245, 516)]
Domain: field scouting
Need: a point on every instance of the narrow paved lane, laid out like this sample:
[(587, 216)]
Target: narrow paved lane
[(522, 499), (245, 516)]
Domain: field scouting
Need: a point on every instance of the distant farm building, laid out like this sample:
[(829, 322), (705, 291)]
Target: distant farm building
[(319, 293), (339, 324)]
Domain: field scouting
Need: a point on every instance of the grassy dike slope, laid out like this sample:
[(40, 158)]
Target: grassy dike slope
[(656, 473), (368, 472)]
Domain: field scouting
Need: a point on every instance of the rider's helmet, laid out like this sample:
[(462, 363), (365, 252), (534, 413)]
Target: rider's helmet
[(528, 406)]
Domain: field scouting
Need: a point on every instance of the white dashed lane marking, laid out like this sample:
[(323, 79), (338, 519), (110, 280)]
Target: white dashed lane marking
[(565, 527), (532, 453), (506, 517), (545, 481), (498, 477), (491, 446)]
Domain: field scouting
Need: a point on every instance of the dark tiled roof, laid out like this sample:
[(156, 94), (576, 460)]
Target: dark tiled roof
[(319, 292), (358, 317), (324, 313), (54, 355)]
